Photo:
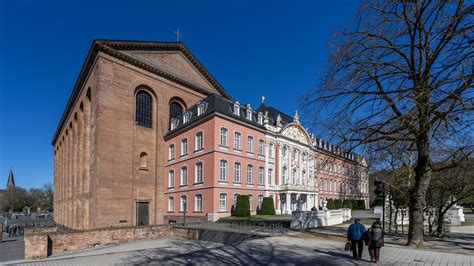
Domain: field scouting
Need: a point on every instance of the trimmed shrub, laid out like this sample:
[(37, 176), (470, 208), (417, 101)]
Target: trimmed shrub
[(361, 204), (330, 205), (268, 208), (355, 204), (338, 204), (243, 206), (347, 204)]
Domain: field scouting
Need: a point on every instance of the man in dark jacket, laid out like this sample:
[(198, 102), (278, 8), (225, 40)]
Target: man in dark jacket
[(354, 234), (375, 240)]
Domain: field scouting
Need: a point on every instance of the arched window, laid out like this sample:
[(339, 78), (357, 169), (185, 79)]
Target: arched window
[(176, 109), (144, 109)]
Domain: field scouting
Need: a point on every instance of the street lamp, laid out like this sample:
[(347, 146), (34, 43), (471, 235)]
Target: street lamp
[(380, 192)]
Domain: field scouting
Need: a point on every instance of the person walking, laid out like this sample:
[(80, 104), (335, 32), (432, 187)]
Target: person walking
[(354, 234), (375, 241)]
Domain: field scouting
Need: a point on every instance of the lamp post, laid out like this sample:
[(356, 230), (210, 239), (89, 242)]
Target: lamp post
[(380, 192)]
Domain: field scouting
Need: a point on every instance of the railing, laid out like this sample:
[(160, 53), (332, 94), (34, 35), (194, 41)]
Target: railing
[(241, 227)]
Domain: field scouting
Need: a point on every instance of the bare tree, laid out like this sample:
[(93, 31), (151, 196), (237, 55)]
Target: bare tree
[(402, 74)]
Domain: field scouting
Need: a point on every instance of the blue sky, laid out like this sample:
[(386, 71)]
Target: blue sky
[(277, 49)]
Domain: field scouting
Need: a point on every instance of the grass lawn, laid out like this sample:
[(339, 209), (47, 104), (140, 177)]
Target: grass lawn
[(256, 217)]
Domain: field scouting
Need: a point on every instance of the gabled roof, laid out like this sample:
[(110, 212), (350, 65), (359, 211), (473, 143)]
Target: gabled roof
[(119, 49)]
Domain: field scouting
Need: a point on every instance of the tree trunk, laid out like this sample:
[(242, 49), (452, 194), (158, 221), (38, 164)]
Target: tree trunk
[(417, 196)]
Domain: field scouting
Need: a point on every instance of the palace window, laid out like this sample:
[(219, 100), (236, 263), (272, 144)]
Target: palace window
[(224, 136), (144, 109), (171, 179), (293, 176), (201, 108), (283, 175), (184, 204), (260, 118), (171, 204), (187, 117), (237, 141), (198, 203), (236, 108), (270, 176), (199, 141), (261, 145), (223, 171), (184, 176), (174, 123), (237, 175), (249, 174), (143, 160), (184, 147), (198, 172), (250, 144), (171, 152), (249, 112), (222, 202), (270, 150), (260, 175)]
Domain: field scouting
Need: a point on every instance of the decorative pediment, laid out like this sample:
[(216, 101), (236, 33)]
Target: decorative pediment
[(296, 132)]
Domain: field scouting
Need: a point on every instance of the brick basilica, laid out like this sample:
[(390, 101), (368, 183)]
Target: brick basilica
[(148, 135)]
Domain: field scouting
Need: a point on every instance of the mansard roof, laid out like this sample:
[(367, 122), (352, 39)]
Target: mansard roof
[(121, 49), (273, 114), (216, 104), (11, 180)]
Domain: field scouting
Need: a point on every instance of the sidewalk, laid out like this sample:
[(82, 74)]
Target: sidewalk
[(461, 243)]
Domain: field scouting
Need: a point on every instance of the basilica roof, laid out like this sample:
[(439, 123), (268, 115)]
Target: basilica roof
[(170, 60)]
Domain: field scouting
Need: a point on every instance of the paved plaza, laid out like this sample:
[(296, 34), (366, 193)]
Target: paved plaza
[(285, 250)]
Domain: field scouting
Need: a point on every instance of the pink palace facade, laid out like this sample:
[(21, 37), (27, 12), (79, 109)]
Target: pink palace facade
[(219, 149)]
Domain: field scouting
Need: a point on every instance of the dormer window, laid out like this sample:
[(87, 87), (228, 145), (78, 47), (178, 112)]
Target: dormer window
[(249, 112), (186, 117), (260, 118), (236, 108), (174, 123), (201, 108)]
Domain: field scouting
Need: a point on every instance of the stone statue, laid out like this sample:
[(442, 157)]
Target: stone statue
[(299, 203)]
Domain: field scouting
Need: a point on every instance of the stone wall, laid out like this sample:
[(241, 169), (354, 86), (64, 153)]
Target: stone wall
[(309, 219), (43, 243)]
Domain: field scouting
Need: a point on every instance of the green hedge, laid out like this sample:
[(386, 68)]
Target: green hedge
[(361, 204), (330, 205), (355, 204), (243, 206), (347, 204), (338, 204), (268, 208)]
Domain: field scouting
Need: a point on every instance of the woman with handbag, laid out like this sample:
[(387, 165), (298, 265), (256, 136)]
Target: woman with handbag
[(374, 240)]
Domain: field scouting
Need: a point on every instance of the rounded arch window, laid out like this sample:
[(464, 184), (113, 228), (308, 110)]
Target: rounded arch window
[(143, 160), (144, 109), (176, 109)]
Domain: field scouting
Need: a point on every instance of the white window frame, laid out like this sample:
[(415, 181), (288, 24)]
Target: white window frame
[(260, 200), (186, 117), (222, 202), (260, 118), (223, 165), (224, 137), (250, 144), (199, 141), (249, 114), (270, 176), (183, 205), (171, 152), (237, 172), (198, 200), (171, 180), (237, 140), (184, 147), (261, 147), (249, 174), (261, 175), (198, 173), (183, 176), (170, 204), (237, 108), (200, 110)]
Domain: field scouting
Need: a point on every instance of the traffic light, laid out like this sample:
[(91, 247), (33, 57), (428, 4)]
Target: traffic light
[(379, 188)]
